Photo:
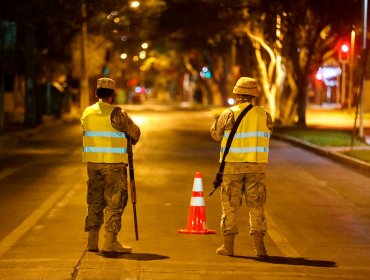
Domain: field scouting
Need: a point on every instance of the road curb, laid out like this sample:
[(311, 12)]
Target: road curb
[(359, 165)]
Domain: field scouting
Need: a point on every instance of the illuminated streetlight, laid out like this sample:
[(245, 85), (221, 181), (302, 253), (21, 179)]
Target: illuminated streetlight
[(142, 54), (145, 45), (135, 4), (123, 55)]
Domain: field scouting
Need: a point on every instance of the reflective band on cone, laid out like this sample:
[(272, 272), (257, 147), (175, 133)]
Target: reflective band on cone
[(197, 222), (197, 201)]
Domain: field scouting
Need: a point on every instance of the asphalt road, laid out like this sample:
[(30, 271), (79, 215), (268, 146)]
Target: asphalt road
[(318, 211)]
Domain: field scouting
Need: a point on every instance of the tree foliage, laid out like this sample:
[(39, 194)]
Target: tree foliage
[(231, 37)]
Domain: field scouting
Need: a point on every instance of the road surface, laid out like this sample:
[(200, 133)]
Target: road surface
[(318, 211)]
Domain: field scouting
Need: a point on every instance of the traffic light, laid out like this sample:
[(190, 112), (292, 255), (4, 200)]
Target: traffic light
[(344, 52)]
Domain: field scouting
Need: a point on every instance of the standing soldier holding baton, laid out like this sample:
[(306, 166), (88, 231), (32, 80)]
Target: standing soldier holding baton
[(244, 131), (106, 131)]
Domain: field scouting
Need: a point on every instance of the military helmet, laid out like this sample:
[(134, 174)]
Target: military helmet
[(106, 83), (246, 86), (105, 87)]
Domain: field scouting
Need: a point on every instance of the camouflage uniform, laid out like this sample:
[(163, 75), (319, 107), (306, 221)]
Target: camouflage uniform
[(107, 185), (240, 178)]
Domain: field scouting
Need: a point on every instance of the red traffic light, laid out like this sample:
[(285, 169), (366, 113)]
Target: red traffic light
[(344, 52), (344, 48)]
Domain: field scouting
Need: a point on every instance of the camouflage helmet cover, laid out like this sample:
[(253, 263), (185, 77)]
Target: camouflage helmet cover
[(246, 86)]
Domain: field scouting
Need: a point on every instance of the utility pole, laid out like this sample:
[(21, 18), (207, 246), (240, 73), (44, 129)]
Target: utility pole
[(84, 79), (362, 94), (351, 62)]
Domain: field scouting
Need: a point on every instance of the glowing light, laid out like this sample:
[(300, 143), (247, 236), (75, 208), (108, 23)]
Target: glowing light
[(139, 120), (123, 55), (116, 20), (142, 55), (319, 76), (329, 75), (205, 73), (345, 48), (231, 101), (144, 45), (137, 89), (112, 14), (135, 58), (124, 38), (135, 4)]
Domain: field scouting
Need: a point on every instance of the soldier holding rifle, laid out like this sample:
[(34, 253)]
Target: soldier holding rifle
[(108, 133), (244, 131)]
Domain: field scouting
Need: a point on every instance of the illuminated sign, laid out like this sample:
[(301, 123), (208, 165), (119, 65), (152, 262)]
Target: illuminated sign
[(329, 75)]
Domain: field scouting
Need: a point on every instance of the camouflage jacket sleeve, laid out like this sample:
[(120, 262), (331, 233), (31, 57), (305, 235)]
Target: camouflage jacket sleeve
[(223, 122), (269, 122), (226, 122), (122, 122)]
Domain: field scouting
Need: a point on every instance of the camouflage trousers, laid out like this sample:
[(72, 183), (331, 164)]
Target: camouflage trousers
[(252, 186), (106, 196)]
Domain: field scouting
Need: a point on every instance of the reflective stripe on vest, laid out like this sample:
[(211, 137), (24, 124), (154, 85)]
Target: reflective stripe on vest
[(248, 134), (247, 150), (105, 150), (101, 142), (251, 141), (114, 134)]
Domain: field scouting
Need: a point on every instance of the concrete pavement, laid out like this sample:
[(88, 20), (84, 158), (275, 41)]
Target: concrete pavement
[(49, 244)]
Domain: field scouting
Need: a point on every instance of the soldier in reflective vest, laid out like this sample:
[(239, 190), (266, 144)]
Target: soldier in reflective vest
[(246, 162), (105, 131)]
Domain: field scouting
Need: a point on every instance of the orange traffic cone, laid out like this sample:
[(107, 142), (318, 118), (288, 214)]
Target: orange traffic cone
[(197, 215)]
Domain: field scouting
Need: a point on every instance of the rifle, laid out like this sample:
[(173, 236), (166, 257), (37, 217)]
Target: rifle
[(220, 173), (132, 183)]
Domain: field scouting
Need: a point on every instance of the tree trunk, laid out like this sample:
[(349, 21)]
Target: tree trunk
[(302, 103), (32, 116)]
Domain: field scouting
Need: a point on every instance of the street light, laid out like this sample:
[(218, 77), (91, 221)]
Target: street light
[(351, 64), (135, 4)]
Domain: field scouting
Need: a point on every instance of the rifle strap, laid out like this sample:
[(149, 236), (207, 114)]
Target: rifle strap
[(231, 136)]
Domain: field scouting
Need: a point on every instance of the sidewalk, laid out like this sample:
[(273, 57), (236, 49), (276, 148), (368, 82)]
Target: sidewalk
[(11, 138), (332, 118), (333, 153)]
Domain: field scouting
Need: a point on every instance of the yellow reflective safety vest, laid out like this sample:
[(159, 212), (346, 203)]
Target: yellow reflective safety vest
[(251, 140), (101, 142)]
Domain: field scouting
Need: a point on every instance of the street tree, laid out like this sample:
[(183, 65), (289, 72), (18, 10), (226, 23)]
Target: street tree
[(313, 29), (291, 39), (202, 32), (42, 34)]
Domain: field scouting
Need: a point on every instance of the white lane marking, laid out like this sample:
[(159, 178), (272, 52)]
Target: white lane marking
[(279, 239), (7, 172), (8, 241)]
